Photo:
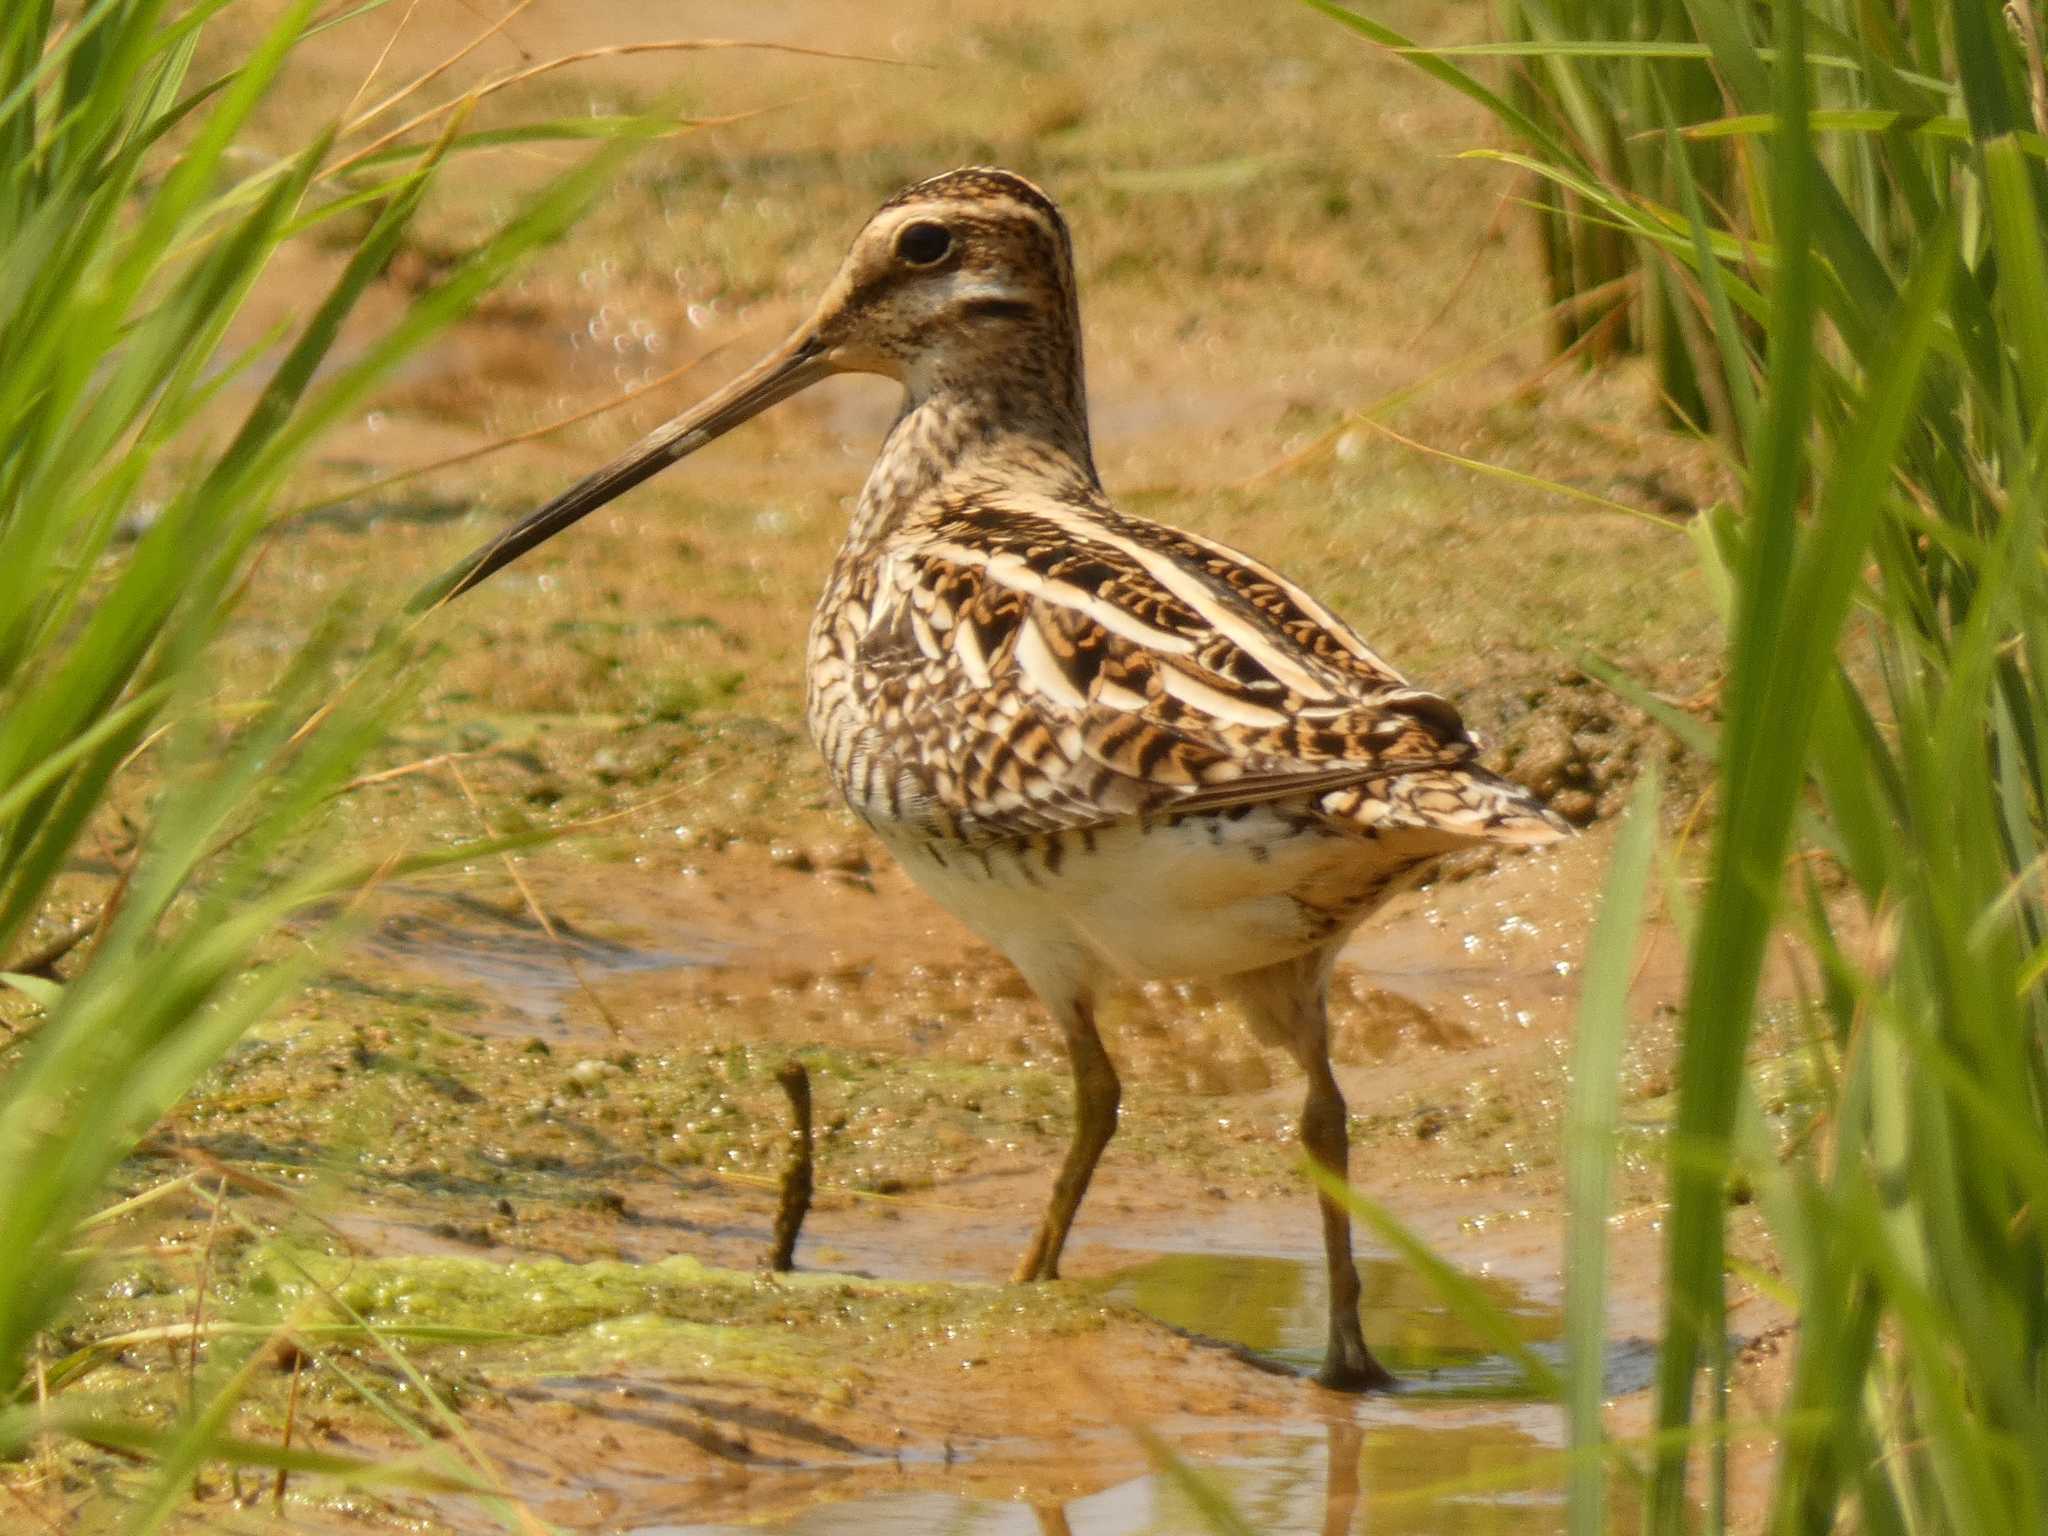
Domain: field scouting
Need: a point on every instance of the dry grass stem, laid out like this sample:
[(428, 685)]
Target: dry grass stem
[(220, 1193), (1480, 466), (580, 56), (533, 906), (377, 64), (1319, 446), (531, 434), (421, 81)]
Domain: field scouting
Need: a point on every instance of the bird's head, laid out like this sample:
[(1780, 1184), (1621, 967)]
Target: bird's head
[(952, 282), (953, 273)]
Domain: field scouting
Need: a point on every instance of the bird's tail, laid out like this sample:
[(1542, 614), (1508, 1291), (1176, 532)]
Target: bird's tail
[(1466, 802)]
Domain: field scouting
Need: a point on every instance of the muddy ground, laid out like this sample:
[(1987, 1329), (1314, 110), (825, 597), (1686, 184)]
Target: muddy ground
[(493, 1194)]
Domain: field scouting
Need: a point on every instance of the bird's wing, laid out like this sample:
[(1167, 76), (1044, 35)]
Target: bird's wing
[(1062, 666)]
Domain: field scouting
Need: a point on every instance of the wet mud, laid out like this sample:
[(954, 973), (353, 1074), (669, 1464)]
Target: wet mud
[(625, 1119), (542, 1159)]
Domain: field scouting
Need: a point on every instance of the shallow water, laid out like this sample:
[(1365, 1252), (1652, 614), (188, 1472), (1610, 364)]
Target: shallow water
[(1462, 1450), (526, 970), (1275, 1307)]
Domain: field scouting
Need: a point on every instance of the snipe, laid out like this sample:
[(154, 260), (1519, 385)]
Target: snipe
[(1113, 749)]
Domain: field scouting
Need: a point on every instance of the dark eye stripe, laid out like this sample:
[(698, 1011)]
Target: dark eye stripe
[(923, 243)]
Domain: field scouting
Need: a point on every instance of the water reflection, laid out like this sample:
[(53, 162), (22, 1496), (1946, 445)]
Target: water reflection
[(1275, 1308), (1345, 1477), (1462, 1451)]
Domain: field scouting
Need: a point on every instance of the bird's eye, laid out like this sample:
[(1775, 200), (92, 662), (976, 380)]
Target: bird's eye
[(921, 244)]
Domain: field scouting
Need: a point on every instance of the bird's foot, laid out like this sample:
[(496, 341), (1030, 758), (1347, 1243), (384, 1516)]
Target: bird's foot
[(1037, 1265), (1355, 1370)]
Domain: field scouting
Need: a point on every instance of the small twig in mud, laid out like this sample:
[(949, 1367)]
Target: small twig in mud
[(403, 770), (291, 1413), (241, 1178), (118, 896), (918, 1201), (220, 1200), (525, 53), (43, 962), (796, 1178), (46, 1450)]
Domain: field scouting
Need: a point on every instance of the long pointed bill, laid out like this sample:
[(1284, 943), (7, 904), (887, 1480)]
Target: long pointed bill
[(796, 365)]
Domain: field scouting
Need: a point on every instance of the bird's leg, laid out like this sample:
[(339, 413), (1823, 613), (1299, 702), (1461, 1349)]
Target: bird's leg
[(1348, 1365), (1288, 1004), (1096, 1092)]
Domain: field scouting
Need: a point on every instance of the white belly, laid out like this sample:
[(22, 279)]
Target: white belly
[(1199, 897)]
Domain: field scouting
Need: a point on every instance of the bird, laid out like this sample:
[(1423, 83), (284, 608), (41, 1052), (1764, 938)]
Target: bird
[(1115, 750)]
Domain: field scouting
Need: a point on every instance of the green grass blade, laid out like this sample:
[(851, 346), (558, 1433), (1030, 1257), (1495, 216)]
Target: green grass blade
[(1589, 1151)]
